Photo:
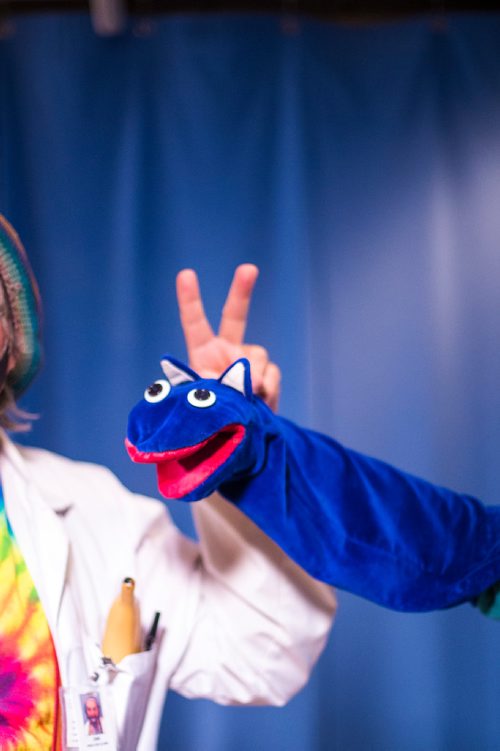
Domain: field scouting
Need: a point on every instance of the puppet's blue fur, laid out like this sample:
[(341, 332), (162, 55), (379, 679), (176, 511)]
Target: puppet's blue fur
[(347, 519)]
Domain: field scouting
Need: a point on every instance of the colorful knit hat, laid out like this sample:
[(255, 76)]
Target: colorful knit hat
[(23, 299)]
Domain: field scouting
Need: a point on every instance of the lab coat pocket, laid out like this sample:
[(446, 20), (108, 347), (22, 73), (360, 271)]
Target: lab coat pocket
[(131, 687)]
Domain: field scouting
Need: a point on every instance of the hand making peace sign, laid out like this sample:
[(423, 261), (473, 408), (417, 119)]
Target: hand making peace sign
[(209, 353)]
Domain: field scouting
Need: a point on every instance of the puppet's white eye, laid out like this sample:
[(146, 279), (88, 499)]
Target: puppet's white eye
[(157, 391), (201, 398)]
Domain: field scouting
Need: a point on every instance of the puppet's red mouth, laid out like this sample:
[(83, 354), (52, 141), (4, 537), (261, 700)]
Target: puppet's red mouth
[(180, 471)]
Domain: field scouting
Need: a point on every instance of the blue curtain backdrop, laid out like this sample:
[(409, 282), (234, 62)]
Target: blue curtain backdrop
[(360, 168)]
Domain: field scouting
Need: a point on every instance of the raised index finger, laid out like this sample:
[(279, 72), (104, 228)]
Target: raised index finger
[(195, 325), (235, 312)]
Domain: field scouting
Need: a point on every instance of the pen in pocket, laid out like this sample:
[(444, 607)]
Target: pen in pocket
[(151, 635)]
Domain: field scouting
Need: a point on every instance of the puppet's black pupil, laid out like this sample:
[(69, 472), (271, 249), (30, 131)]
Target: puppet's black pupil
[(202, 395), (155, 389)]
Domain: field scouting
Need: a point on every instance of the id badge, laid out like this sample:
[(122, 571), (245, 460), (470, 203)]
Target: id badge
[(88, 718)]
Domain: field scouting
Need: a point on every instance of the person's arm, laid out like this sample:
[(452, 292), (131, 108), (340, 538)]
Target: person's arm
[(348, 519), (260, 622), (365, 526)]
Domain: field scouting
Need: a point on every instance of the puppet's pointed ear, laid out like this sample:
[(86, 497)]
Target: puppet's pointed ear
[(176, 372), (238, 377)]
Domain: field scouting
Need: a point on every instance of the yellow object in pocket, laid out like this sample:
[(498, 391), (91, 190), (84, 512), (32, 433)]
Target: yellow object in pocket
[(122, 634)]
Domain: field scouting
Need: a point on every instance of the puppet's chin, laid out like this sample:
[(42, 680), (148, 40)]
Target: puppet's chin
[(182, 471)]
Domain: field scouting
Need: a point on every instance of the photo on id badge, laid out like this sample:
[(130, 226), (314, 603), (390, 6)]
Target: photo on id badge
[(93, 717)]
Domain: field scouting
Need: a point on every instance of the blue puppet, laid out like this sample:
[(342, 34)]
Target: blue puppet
[(347, 519)]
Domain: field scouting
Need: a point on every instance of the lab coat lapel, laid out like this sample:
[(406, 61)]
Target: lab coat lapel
[(52, 551), (39, 532)]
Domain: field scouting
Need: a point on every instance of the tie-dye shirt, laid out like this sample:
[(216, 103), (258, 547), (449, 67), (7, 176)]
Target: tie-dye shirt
[(28, 666)]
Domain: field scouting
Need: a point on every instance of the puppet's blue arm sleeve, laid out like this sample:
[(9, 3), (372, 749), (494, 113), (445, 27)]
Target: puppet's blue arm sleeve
[(366, 527)]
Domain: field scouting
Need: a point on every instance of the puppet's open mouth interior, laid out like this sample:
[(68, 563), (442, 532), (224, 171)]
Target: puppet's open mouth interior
[(182, 470)]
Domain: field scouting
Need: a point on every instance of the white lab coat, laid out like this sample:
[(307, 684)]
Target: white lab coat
[(240, 623)]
